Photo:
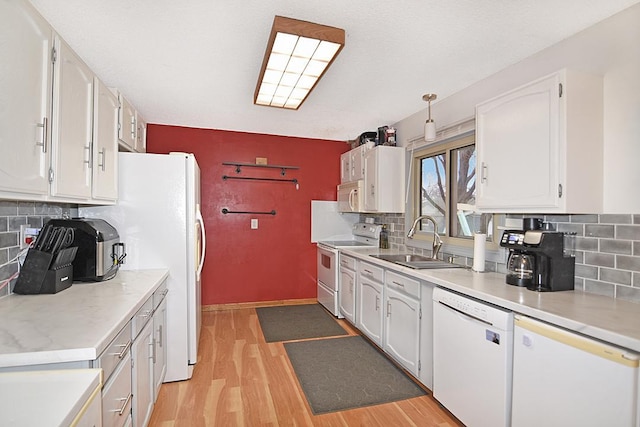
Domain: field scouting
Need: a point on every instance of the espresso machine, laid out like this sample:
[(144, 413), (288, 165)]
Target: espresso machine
[(539, 260)]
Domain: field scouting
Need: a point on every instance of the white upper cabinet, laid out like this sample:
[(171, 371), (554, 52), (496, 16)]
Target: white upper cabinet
[(127, 132), (141, 134), (345, 167), (25, 82), (105, 141), (72, 125), (352, 164), (540, 147), (384, 179), (58, 131), (132, 133)]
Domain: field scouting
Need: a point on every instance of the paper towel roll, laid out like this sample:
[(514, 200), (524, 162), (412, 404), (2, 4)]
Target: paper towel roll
[(479, 242)]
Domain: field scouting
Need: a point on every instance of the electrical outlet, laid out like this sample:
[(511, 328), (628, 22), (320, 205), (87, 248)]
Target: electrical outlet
[(27, 235), (254, 223)]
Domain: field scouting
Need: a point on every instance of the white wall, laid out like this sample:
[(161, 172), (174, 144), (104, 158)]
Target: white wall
[(610, 48)]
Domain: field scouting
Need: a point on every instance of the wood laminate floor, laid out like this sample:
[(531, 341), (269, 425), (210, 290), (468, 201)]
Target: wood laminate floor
[(240, 380)]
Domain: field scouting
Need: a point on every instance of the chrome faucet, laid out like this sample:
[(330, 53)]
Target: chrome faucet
[(437, 241)]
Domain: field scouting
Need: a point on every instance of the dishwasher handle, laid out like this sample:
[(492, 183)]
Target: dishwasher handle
[(466, 314)]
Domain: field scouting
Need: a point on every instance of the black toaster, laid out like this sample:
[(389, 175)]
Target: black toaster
[(100, 252)]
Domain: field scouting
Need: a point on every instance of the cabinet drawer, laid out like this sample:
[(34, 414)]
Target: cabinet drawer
[(117, 396), (159, 294), (371, 271), (347, 262), (117, 351), (403, 284), (142, 317)]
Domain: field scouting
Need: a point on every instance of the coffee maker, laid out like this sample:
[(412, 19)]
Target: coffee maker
[(538, 260)]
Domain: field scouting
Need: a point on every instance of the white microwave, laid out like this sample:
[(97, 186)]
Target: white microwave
[(351, 196)]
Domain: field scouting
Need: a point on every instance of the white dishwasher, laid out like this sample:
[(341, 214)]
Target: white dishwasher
[(472, 359), (561, 378)]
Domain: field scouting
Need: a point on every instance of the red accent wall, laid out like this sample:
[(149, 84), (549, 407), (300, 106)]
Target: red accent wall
[(277, 261)]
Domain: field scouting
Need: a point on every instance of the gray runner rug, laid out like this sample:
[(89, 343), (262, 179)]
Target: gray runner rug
[(345, 373), (297, 322)]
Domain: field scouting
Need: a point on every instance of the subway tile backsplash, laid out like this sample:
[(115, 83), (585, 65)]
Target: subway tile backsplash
[(13, 214), (607, 250)]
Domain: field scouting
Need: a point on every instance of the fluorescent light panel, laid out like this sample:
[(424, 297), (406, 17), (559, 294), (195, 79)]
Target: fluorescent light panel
[(297, 55)]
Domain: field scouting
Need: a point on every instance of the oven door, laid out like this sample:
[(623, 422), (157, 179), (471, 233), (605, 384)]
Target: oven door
[(327, 267)]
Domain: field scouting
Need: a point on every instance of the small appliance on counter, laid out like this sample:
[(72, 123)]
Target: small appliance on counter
[(539, 260), (100, 252)]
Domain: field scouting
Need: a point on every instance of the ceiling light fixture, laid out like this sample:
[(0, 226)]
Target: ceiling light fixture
[(297, 55), (429, 125)]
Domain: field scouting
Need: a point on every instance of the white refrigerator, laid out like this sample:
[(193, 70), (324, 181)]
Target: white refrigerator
[(158, 218)]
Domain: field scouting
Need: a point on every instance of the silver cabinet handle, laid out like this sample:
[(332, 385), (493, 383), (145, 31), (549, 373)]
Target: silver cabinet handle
[(125, 347), (152, 344), (160, 336), (377, 303), (388, 308), (368, 272), (124, 405), (133, 127), (102, 159), (44, 126), (398, 283), (146, 313), (89, 152), (483, 172)]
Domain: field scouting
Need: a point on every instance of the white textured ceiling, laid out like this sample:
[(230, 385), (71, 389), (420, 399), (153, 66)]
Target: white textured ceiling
[(195, 62)]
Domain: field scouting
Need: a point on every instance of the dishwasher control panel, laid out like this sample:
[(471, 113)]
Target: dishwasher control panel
[(474, 308)]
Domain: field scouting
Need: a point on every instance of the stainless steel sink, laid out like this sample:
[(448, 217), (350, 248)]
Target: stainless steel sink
[(419, 262)]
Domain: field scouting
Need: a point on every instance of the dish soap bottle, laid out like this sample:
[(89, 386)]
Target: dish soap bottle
[(384, 237)]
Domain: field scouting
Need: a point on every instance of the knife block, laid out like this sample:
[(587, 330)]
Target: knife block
[(37, 276)]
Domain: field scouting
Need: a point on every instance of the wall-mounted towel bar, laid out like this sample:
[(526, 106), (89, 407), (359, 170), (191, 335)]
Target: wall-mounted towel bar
[(227, 211)]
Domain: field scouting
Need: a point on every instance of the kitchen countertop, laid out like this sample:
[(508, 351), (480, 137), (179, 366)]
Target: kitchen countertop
[(608, 319), (39, 398), (75, 324)]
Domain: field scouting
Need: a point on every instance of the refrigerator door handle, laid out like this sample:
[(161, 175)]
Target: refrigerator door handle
[(203, 238)]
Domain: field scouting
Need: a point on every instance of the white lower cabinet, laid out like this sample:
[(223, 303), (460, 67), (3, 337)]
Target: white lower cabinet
[(402, 321), (370, 303), (117, 395), (142, 376), (347, 293), (159, 341)]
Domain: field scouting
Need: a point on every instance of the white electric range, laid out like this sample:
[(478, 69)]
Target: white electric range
[(364, 235)]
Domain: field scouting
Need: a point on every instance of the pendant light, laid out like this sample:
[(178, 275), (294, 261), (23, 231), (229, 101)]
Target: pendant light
[(429, 125)]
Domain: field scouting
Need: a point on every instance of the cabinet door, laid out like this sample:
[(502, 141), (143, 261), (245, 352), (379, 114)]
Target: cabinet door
[(25, 79), (345, 167), (141, 134), (357, 163), (72, 124), (117, 395), (370, 309), (517, 143), (142, 376), (127, 128), (105, 143), (402, 338), (347, 294), (160, 347), (370, 180)]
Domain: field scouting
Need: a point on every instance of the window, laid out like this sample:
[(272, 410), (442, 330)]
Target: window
[(446, 174)]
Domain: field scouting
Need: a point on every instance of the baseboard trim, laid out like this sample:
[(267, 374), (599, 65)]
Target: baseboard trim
[(241, 305)]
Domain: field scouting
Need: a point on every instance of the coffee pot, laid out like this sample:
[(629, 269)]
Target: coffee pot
[(520, 269)]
